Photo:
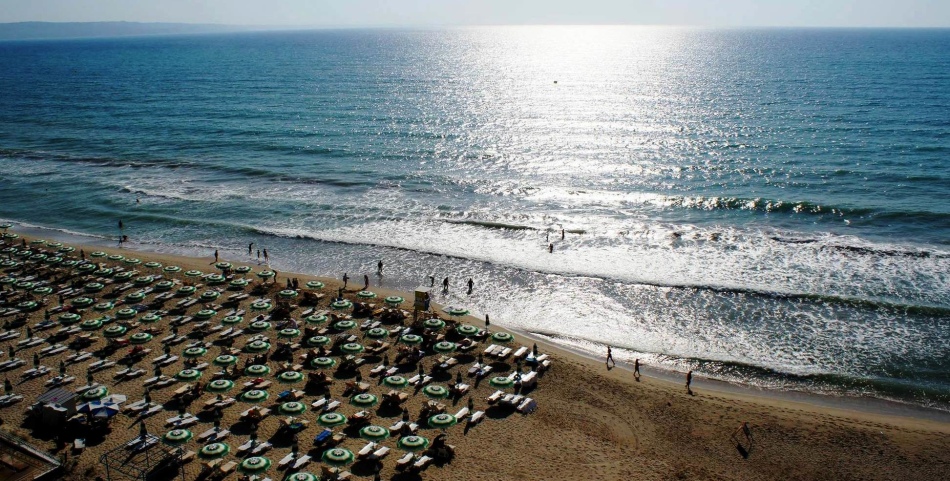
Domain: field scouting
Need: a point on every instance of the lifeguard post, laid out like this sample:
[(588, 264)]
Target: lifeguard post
[(420, 301)]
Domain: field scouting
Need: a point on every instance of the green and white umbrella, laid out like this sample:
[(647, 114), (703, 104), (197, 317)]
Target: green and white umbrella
[(341, 305), (135, 297), (225, 360), (124, 276), (177, 437), (242, 269), (443, 421), (288, 333), (257, 370), (290, 377), (164, 285), (126, 313), (351, 348), (394, 300), (143, 280), (456, 311), (256, 464), (316, 341), (172, 269), (315, 285), (316, 319), (82, 302), (223, 265), (97, 254), (413, 443), (467, 330), (86, 268), (38, 241), (43, 291), (301, 477), (444, 347), (186, 290), (115, 257), (69, 318), (292, 408), (377, 333), (98, 392), (27, 305), (25, 285), (90, 324), (258, 326), (220, 385), (395, 381), (114, 331), (238, 283), (255, 396), (338, 457), (287, 293), (331, 419), (411, 339), (150, 318), (257, 346), (214, 450), (132, 262), (152, 265), (103, 306), (265, 274), (194, 352), (205, 314), (140, 338), (193, 273), (188, 374), (208, 296), (260, 306), (374, 433), (502, 337), (435, 391), (344, 325), (434, 323), (364, 400), (501, 382), (366, 294), (215, 279), (232, 320), (322, 362)]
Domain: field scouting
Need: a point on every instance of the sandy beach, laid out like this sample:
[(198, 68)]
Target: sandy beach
[(590, 422)]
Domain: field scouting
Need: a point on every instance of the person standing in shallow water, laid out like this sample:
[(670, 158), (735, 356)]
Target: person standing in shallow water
[(550, 248), (689, 382), (610, 358), (346, 279), (636, 369), (379, 268), (365, 282), (445, 285), (471, 285)]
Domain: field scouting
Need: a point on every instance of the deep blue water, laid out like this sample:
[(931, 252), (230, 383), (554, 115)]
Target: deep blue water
[(763, 206)]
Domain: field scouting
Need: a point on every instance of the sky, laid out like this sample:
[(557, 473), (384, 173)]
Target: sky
[(350, 13)]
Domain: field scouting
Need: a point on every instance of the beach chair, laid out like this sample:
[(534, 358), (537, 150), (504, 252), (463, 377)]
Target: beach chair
[(380, 453), (226, 468), (476, 418), (301, 462), (527, 406), (286, 460), (404, 461), (495, 397), (367, 450), (422, 463), (462, 413)]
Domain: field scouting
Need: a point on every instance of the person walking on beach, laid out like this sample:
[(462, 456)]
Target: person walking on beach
[(610, 358), (471, 285), (487, 321), (379, 268), (689, 381), (445, 285), (258, 256), (365, 282), (636, 369), (346, 279), (216, 256)]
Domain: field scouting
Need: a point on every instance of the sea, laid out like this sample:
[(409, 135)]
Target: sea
[(767, 207)]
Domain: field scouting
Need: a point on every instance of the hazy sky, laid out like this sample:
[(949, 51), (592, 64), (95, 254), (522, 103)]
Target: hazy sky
[(902, 13)]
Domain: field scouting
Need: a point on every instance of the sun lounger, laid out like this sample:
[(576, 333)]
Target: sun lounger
[(422, 463), (152, 410), (495, 397), (490, 350), (301, 462), (503, 353), (527, 406), (462, 413), (404, 461), (187, 457), (226, 468), (332, 406), (477, 417), (529, 379), (262, 448), (520, 352), (285, 461), (367, 450), (319, 404)]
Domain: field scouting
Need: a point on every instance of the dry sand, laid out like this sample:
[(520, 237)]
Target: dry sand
[(591, 424)]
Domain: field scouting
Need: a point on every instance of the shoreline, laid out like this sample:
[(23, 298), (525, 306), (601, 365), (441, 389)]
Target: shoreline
[(867, 406)]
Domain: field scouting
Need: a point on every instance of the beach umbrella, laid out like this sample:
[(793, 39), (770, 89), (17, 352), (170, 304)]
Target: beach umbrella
[(342, 304), (86, 267), (377, 333), (443, 421), (292, 408), (43, 291), (255, 396), (186, 290), (394, 300), (177, 437), (330, 420), (260, 306), (27, 305), (205, 314), (25, 285), (115, 257), (456, 311), (140, 338), (501, 382), (366, 294), (317, 341), (223, 265), (242, 269), (344, 325), (502, 337), (288, 333), (164, 285), (266, 274), (374, 433), (338, 457), (172, 269), (225, 360), (103, 306), (290, 377), (69, 318), (315, 285), (435, 391), (208, 296), (114, 399), (134, 298), (255, 464), (238, 283), (232, 320), (90, 324), (413, 443), (193, 273), (106, 410), (114, 331), (98, 392), (322, 362), (364, 400), (301, 477), (257, 346), (188, 375), (351, 348), (143, 280), (411, 339), (434, 323), (220, 385), (82, 302), (257, 370), (132, 262), (287, 293), (395, 381), (194, 352), (150, 318), (444, 347), (214, 450), (316, 319), (124, 276), (467, 330), (152, 265)]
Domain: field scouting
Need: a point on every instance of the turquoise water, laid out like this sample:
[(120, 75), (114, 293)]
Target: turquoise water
[(762, 206)]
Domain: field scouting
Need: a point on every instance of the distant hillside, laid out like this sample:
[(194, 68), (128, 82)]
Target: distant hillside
[(52, 30)]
